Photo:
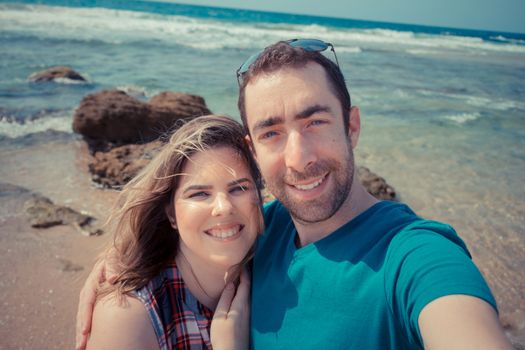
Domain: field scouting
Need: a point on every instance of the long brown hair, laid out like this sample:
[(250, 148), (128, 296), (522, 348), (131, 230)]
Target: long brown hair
[(144, 240)]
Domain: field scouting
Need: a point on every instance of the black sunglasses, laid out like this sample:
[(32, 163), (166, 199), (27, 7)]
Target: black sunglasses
[(313, 45)]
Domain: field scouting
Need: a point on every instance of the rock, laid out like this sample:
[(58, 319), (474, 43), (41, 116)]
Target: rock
[(44, 213), (113, 116), (375, 184), (182, 105), (115, 168), (54, 73)]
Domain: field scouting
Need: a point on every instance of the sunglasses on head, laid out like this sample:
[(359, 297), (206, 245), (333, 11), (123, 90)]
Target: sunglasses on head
[(313, 45)]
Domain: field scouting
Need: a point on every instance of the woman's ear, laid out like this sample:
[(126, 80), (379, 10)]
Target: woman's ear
[(169, 209)]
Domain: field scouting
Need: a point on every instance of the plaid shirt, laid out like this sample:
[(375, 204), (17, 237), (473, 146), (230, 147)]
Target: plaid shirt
[(180, 321)]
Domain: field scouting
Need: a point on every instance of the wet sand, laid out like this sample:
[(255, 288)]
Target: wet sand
[(43, 269)]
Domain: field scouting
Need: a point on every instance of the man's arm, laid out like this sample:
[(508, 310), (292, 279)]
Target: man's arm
[(104, 270), (461, 322), (121, 326)]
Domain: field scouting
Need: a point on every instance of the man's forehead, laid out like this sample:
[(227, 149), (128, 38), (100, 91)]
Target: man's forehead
[(265, 95)]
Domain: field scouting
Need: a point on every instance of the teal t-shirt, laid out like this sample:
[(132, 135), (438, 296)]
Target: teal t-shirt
[(361, 287)]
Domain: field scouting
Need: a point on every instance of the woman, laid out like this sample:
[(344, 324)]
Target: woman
[(183, 229)]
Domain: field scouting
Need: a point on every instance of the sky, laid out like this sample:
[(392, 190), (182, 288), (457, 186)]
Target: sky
[(496, 15)]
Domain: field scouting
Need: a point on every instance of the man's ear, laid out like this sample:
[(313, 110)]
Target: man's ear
[(169, 209), (249, 143), (354, 125)]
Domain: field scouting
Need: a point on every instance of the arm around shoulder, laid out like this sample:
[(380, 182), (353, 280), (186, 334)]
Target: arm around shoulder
[(461, 322), (121, 325)]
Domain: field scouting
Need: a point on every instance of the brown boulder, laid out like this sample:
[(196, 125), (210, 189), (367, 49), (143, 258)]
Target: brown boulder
[(113, 116), (53, 73), (115, 168), (375, 184), (180, 104)]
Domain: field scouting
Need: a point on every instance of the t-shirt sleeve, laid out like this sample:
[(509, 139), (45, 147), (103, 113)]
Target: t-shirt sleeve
[(426, 263)]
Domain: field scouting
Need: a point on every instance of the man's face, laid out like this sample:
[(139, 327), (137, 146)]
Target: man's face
[(298, 139)]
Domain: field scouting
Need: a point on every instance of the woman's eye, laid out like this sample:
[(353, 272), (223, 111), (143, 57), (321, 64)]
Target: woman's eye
[(197, 195), (239, 188)]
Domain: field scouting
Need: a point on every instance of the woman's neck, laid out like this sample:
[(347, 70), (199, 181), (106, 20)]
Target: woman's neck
[(205, 282)]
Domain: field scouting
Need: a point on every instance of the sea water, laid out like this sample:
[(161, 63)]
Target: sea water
[(443, 110)]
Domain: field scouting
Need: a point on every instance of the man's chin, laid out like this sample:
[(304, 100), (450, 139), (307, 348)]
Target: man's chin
[(309, 211)]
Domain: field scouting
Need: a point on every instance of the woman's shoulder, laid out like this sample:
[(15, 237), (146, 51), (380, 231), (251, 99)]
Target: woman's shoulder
[(121, 323)]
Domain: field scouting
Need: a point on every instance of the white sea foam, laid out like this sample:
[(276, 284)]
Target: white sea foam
[(463, 117), (134, 91), (479, 101), (58, 121), (67, 81), (119, 26), (354, 49)]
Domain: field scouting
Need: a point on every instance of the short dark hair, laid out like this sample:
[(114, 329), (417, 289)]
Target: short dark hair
[(281, 55)]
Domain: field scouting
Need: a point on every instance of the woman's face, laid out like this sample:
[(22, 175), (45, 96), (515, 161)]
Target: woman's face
[(216, 208)]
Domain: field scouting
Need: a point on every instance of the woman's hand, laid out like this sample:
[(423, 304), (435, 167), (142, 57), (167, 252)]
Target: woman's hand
[(230, 327), (101, 272)]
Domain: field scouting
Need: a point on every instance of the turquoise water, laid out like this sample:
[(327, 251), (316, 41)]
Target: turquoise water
[(443, 109)]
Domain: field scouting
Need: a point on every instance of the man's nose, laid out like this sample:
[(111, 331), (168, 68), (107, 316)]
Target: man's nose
[(297, 153), (222, 205)]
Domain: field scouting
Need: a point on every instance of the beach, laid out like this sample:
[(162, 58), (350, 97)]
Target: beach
[(443, 121)]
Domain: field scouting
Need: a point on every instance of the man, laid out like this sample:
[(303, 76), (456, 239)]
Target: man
[(336, 268)]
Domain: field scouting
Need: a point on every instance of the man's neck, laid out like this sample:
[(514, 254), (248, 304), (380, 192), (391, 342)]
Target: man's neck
[(358, 201)]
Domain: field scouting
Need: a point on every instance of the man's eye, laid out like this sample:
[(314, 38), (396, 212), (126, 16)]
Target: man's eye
[(198, 195), (317, 122), (268, 135)]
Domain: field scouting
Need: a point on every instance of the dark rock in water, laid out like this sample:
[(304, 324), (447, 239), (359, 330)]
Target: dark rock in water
[(375, 184), (44, 213), (113, 116), (53, 73), (115, 168)]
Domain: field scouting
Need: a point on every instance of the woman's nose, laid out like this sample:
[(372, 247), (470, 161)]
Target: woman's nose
[(222, 205)]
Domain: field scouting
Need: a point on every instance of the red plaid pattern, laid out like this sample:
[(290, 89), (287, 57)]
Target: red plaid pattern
[(180, 321)]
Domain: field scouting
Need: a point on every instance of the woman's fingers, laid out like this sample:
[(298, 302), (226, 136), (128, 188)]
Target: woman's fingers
[(230, 325), (225, 301), (242, 297)]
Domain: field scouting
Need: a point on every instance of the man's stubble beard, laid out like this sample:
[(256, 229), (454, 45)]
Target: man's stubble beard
[(324, 207)]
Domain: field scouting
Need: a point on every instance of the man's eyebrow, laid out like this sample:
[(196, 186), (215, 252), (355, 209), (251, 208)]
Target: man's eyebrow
[(265, 123), (197, 187), (239, 181), (312, 110)]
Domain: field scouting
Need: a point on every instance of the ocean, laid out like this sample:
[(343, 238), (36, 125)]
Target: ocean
[(443, 109)]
